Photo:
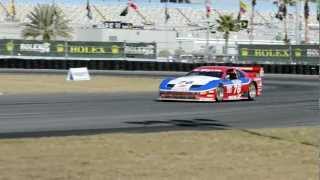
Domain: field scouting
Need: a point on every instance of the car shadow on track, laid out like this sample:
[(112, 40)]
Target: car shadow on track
[(183, 123), (138, 127)]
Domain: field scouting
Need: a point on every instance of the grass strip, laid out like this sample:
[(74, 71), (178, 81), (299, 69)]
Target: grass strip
[(225, 154), (42, 83)]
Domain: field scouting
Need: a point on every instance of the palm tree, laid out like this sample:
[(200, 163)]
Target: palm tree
[(47, 22), (226, 25)]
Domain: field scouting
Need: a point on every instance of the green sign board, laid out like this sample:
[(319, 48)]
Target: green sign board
[(25, 48), (89, 49), (306, 52), (78, 49), (279, 54)]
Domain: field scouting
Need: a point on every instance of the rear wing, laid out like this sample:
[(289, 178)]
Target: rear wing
[(254, 72)]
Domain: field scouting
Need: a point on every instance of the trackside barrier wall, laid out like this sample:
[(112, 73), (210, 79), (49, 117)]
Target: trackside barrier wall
[(145, 65), (77, 49), (279, 54)]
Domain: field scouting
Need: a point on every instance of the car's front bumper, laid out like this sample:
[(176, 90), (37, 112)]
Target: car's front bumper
[(187, 100), (186, 96)]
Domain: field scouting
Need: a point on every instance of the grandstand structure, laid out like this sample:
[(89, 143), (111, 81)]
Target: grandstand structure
[(185, 29)]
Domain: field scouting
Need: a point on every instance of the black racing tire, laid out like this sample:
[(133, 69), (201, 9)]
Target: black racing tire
[(252, 92), (219, 94)]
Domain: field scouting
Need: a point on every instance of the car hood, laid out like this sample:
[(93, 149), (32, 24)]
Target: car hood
[(193, 80), (185, 83)]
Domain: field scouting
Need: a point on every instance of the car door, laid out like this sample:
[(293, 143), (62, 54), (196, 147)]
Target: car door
[(232, 84), (244, 81), (236, 87)]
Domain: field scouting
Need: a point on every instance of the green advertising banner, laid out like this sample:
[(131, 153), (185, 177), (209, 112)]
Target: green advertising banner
[(309, 53), (279, 54), (264, 53), (78, 49), (12, 47), (90, 49)]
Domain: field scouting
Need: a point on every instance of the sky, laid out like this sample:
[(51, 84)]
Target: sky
[(231, 5)]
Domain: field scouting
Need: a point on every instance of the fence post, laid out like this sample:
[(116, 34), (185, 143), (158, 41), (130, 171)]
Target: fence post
[(124, 51), (66, 49), (290, 54)]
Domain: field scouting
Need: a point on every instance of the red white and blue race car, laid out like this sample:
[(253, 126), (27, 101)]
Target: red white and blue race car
[(214, 83)]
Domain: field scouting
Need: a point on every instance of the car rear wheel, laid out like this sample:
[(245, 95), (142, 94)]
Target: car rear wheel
[(219, 94), (252, 93)]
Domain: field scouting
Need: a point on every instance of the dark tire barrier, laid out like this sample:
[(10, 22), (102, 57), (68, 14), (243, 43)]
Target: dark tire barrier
[(306, 69), (314, 70), (299, 69), (293, 69), (145, 65)]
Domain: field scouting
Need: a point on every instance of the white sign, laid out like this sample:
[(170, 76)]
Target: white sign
[(313, 52), (78, 74), (42, 48), (148, 50)]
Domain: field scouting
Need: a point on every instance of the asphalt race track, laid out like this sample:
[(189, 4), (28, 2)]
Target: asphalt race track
[(286, 102)]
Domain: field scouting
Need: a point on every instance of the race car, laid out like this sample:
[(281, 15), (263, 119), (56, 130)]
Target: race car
[(213, 83)]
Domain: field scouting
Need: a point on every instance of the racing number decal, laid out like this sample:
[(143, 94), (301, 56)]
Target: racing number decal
[(236, 87), (183, 86)]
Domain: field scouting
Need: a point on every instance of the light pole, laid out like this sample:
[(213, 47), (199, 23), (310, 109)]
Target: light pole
[(318, 13), (251, 36), (207, 40), (297, 23)]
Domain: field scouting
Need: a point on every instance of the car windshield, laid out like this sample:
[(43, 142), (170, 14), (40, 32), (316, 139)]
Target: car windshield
[(205, 73)]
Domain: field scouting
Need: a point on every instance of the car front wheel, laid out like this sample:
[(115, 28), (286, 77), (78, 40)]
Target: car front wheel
[(219, 94), (252, 93)]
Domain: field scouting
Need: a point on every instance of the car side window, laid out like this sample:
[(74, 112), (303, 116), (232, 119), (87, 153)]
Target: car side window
[(240, 74), (231, 74)]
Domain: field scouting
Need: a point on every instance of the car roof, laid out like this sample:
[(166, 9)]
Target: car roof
[(213, 68)]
